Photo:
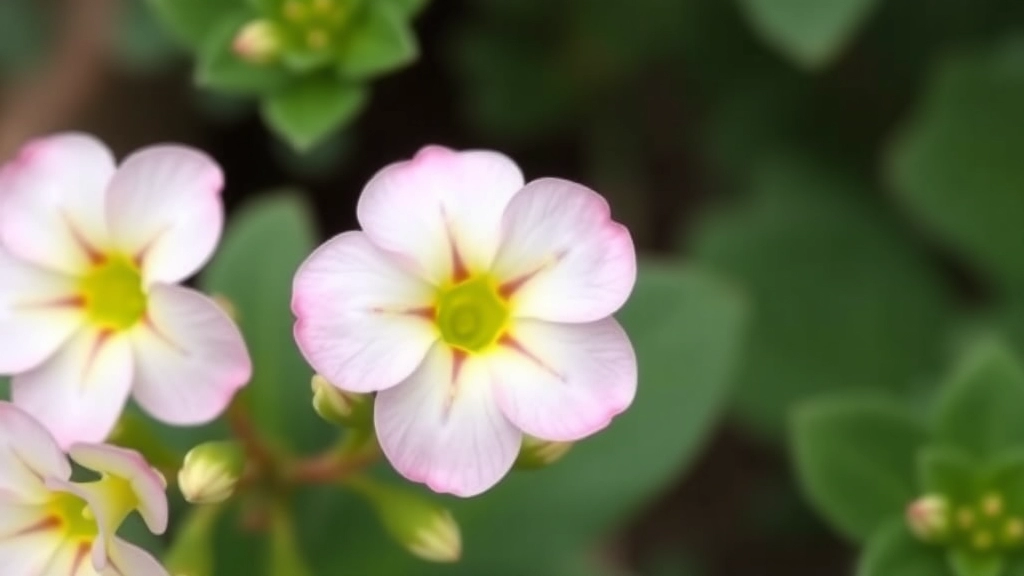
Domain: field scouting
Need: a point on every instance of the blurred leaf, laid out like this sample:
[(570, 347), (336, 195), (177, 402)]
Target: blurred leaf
[(192, 553), (309, 110), (841, 297), (381, 42), (893, 551), (1006, 477), (854, 457), (220, 68), (142, 43), (812, 33), (978, 409), (264, 245), (193, 21), (948, 472), (286, 556), (23, 35), (956, 166), (409, 7), (969, 563)]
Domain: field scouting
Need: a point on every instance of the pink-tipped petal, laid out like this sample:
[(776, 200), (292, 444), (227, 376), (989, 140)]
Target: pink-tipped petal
[(562, 257), (563, 382), (79, 393), (28, 453), (440, 203), (37, 313), (190, 357), (149, 486), (126, 559), (442, 426), (165, 206), (363, 322), (51, 201)]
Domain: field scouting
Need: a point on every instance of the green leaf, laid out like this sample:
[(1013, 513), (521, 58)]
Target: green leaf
[(23, 35), (978, 409), (1005, 476), (409, 7), (893, 551), (843, 298), (309, 110), (956, 165), (812, 33), (194, 21), (380, 42), (286, 555), (142, 44), (854, 458), (192, 552), (219, 68), (264, 245), (967, 563), (948, 472)]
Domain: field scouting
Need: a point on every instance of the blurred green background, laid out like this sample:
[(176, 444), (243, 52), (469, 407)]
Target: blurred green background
[(827, 195)]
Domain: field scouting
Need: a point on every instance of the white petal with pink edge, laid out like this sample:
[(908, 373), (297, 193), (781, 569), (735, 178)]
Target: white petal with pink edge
[(164, 204), (442, 426), (360, 314), (51, 201), (440, 199), (148, 485), (28, 453), (79, 393), (565, 257), (30, 553), (190, 358), (37, 313), (126, 559), (564, 382)]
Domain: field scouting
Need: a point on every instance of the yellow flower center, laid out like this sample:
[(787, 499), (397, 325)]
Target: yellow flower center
[(73, 516), (472, 314), (113, 295)]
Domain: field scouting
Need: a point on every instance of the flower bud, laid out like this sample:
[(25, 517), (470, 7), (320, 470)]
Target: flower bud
[(536, 453), (928, 517), (340, 407), (211, 472), (258, 42), (422, 526)]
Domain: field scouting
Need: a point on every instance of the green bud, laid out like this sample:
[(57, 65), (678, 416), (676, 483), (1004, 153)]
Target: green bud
[(211, 472), (340, 407), (536, 453), (929, 517), (258, 42), (423, 527)]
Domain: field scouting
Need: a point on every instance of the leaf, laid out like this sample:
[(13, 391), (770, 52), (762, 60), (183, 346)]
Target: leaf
[(893, 551), (409, 7), (978, 409), (381, 41), (286, 556), (264, 245), (842, 297), (956, 164), (142, 43), (811, 33), (23, 35), (1005, 476), (854, 458), (967, 563), (312, 108), (219, 68), (947, 472), (193, 21)]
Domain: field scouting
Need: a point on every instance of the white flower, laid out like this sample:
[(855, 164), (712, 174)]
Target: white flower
[(50, 526), (479, 309), (90, 310)]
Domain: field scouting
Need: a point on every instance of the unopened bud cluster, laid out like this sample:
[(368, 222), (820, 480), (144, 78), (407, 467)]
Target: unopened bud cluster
[(984, 525)]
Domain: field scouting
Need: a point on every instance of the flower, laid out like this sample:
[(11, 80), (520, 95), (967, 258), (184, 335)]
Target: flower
[(478, 308), (50, 525), (90, 310)]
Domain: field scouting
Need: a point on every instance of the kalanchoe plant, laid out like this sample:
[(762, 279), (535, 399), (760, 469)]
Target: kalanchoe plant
[(942, 496), (307, 61)]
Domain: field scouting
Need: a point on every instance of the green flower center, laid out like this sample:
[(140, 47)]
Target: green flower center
[(73, 516), (113, 294), (472, 315)]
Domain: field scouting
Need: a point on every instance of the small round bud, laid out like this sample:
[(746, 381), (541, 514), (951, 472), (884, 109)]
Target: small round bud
[(992, 505), (258, 42), (536, 453), (982, 540), (928, 517), (211, 472), (1013, 531), (340, 407), (965, 518), (425, 528)]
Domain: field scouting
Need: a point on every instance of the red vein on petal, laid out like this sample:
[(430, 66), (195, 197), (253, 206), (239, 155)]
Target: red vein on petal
[(507, 289), (458, 361), (459, 270), (102, 338), (80, 555), (426, 312), (148, 323), (94, 255), (511, 343), (44, 525), (64, 302), (139, 256)]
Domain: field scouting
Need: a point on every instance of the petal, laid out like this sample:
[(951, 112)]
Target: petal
[(79, 393), (37, 313), (28, 453), (563, 382), (190, 358), (360, 316), (52, 201), (443, 427), (72, 558), (31, 553), (438, 203), (126, 559), (561, 256), (165, 205), (149, 486)]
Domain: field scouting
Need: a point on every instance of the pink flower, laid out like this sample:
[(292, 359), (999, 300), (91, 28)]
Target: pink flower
[(50, 525), (478, 308), (91, 255)]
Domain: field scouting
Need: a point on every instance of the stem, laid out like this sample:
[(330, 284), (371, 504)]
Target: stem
[(356, 451)]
